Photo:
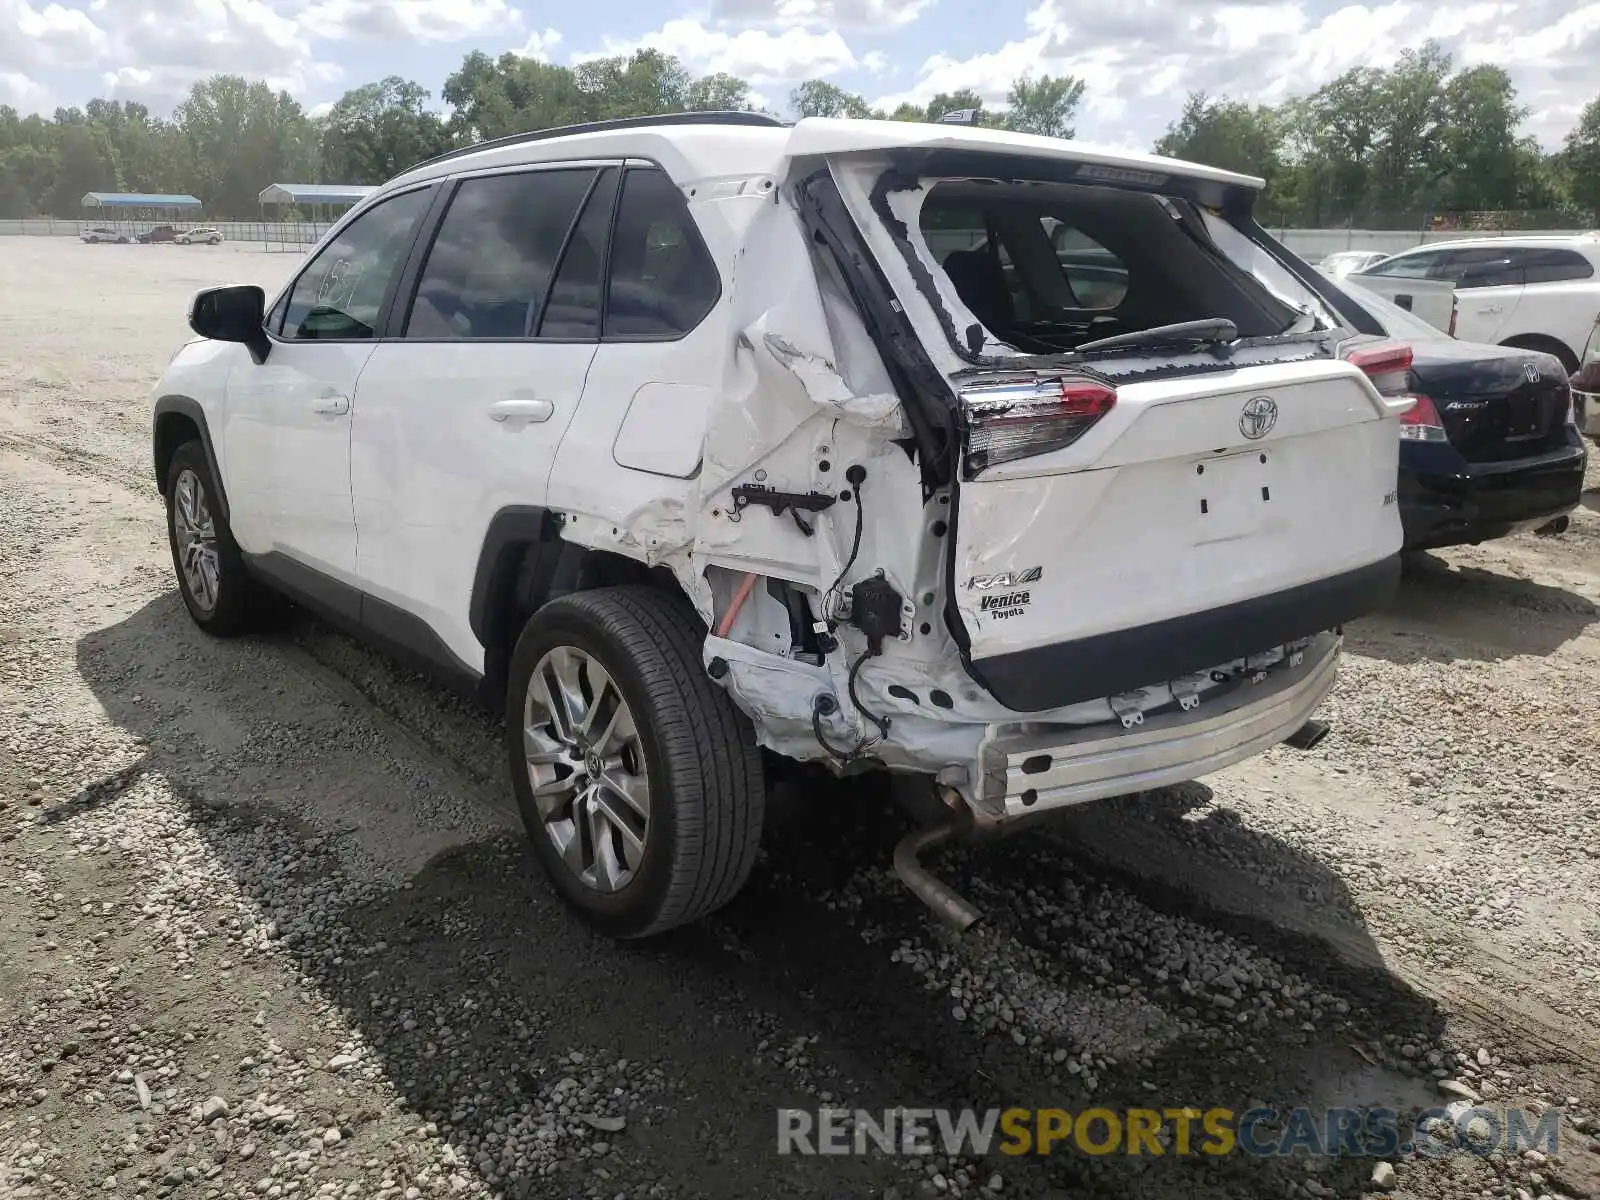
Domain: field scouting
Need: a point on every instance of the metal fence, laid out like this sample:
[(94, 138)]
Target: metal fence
[(299, 236), (273, 235)]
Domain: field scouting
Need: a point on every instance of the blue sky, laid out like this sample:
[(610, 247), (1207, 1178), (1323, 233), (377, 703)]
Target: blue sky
[(1138, 57)]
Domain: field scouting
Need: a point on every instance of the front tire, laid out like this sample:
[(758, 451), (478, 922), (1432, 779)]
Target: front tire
[(217, 588), (638, 780)]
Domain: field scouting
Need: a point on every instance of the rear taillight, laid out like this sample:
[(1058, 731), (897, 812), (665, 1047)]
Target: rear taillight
[(1422, 423), (1012, 419), (1386, 364), (1455, 309)]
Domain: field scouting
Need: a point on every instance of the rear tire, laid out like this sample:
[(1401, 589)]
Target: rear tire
[(217, 588), (638, 780), (1546, 345)]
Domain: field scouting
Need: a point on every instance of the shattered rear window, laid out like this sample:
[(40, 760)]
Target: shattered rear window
[(1045, 268)]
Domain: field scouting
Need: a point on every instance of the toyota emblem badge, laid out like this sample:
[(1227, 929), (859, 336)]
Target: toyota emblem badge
[(1258, 417)]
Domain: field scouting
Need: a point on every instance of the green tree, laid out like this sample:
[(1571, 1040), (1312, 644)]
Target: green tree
[(239, 136), (511, 94), (645, 83), (1580, 159), (817, 98), (1479, 159), (720, 92), (378, 130), (1227, 134), (1047, 105)]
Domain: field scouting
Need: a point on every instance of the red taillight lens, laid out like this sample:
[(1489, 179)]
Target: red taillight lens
[(1422, 423), (1587, 378), (1455, 309), (1387, 365), (1012, 419)]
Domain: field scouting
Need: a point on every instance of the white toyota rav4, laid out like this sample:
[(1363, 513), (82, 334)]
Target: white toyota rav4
[(1037, 471)]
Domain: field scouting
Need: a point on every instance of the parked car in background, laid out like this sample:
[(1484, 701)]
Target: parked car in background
[(1586, 386), (160, 233), (1431, 300), (1492, 447), (752, 467), (203, 236), (1533, 292), (100, 234), (1342, 262)]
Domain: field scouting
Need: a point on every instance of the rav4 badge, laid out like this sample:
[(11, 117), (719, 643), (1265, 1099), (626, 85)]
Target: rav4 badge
[(1006, 579)]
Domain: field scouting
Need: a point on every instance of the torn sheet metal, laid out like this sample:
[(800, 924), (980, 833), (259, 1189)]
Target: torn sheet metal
[(827, 388), (654, 533)]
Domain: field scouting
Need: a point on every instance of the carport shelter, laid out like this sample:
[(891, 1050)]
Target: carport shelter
[(126, 211)]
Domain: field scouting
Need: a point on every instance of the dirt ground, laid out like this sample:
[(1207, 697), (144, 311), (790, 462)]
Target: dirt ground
[(268, 926)]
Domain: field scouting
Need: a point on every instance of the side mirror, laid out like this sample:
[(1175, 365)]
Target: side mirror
[(235, 313)]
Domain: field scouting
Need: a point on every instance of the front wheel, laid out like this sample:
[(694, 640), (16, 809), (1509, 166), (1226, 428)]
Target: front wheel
[(217, 589), (638, 780)]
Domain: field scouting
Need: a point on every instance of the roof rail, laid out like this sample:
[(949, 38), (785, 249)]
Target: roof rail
[(728, 117)]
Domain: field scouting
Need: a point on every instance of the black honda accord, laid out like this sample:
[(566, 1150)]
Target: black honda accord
[(1491, 447)]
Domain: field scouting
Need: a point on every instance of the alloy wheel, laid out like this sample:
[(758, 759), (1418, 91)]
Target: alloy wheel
[(587, 768), (196, 535)]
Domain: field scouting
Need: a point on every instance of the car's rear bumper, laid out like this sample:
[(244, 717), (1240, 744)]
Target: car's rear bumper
[(1480, 501), (1109, 664), (1587, 407), (1025, 773)]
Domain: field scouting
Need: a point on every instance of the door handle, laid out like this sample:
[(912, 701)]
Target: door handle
[(522, 410), (331, 403), (1490, 308)]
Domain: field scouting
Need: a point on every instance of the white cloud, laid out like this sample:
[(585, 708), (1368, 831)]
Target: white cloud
[(541, 44), (754, 55), (408, 20), (1140, 57), (159, 55), (22, 93), (850, 14), (51, 36), (875, 61)]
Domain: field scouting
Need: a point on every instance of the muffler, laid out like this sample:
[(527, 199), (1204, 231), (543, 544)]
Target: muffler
[(949, 905), (1550, 529), (1308, 735)]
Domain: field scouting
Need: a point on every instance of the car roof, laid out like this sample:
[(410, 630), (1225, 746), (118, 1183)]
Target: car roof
[(1589, 243), (691, 149)]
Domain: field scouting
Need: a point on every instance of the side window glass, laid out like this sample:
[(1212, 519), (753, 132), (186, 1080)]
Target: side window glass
[(573, 310), (1555, 266), (489, 267), (1412, 266), (1096, 276), (663, 280), (1487, 267), (341, 293)]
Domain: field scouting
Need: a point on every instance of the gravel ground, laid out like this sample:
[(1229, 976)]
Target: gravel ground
[(268, 928)]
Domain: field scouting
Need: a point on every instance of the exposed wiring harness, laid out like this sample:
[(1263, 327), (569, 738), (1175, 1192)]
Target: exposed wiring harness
[(856, 475)]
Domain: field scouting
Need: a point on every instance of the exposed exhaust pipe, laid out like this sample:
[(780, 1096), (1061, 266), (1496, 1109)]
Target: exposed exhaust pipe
[(1559, 525), (1308, 735), (950, 907)]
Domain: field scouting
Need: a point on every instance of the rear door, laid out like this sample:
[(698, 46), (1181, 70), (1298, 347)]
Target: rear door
[(462, 408), (1489, 282)]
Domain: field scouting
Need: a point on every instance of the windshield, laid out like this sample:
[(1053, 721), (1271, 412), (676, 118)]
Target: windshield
[(1047, 268), (1396, 321)]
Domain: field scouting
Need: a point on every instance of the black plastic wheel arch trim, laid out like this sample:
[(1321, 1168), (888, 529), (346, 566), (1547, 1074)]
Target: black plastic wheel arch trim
[(510, 532), (186, 406)]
